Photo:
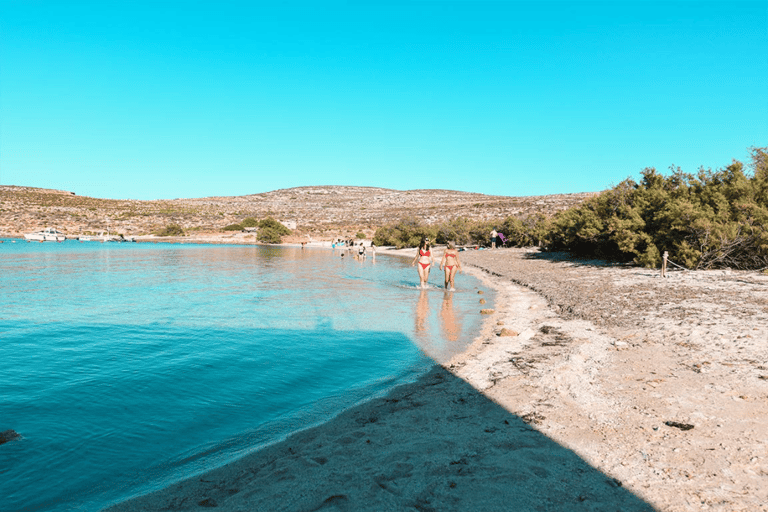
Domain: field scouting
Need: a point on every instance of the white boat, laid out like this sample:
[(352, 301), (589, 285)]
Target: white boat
[(46, 235), (101, 237)]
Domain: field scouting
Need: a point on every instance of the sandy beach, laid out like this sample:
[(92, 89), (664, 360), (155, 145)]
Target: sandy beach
[(590, 387)]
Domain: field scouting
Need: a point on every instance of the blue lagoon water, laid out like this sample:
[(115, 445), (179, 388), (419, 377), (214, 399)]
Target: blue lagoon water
[(126, 367)]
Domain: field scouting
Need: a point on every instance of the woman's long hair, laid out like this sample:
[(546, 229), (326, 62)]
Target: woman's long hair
[(424, 243)]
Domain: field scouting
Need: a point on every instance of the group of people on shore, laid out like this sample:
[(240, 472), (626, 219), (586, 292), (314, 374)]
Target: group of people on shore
[(449, 263), (351, 248)]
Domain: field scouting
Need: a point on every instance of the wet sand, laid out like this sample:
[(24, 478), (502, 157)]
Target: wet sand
[(590, 387)]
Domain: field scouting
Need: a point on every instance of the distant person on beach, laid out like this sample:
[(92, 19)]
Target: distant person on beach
[(373, 250), (450, 263), (361, 251), (494, 234), (425, 260)]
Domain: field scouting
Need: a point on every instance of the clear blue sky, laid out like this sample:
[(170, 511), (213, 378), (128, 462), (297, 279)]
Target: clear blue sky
[(167, 99)]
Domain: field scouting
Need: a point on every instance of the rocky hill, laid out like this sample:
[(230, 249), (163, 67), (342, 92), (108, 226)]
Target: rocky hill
[(319, 212)]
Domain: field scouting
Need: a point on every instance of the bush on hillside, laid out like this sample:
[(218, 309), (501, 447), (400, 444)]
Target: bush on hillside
[(249, 222), (171, 230), (233, 227), (272, 224)]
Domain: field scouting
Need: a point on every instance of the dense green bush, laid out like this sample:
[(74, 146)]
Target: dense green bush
[(525, 232), (270, 236), (233, 227), (270, 223), (405, 233), (408, 232), (713, 219), (271, 231), (249, 222), (171, 230), (463, 232)]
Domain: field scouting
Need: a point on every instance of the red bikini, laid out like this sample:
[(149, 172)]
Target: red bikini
[(424, 253)]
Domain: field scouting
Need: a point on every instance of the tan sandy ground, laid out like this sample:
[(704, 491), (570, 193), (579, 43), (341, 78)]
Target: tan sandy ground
[(568, 413)]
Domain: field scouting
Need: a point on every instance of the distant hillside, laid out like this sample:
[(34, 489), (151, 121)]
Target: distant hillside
[(327, 211)]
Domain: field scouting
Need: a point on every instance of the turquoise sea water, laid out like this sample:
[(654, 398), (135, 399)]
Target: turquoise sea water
[(126, 367)]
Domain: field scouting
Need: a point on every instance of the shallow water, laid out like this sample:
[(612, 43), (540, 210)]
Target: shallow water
[(126, 367)]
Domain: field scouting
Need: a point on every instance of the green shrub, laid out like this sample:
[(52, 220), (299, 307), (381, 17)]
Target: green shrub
[(171, 230), (405, 233), (459, 230), (249, 222), (713, 219), (270, 235), (233, 227), (360, 235), (272, 224), (462, 231)]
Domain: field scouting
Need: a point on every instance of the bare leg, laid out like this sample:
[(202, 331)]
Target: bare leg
[(422, 276), (452, 276)]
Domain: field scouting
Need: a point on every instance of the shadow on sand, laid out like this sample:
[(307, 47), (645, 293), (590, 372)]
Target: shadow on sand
[(560, 256), (434, 445)]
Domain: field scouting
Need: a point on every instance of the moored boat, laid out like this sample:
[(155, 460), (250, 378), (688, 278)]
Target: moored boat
[(46, 235), (101, 237)]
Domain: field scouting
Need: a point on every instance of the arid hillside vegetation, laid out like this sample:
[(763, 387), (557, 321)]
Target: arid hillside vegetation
[(316, 212)]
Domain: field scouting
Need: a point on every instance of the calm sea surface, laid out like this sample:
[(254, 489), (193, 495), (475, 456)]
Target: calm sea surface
[(126, 367)]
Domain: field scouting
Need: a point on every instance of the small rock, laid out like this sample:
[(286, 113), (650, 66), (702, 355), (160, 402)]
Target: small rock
[(480, 292), (208, 503), (508, 332), (499, 323), (8, 435), (487, 311), (681, 426)]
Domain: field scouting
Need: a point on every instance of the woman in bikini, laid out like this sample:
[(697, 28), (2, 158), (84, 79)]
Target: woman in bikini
[(425, 261), (450, 263)]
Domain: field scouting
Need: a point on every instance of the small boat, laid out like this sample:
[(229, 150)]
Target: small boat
[(101, 237), (46, 235)]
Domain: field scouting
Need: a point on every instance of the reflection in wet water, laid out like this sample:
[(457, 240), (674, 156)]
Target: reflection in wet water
[(450, 325), (440, 345)]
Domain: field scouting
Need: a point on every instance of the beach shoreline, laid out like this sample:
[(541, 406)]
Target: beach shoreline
[(583, 391)]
